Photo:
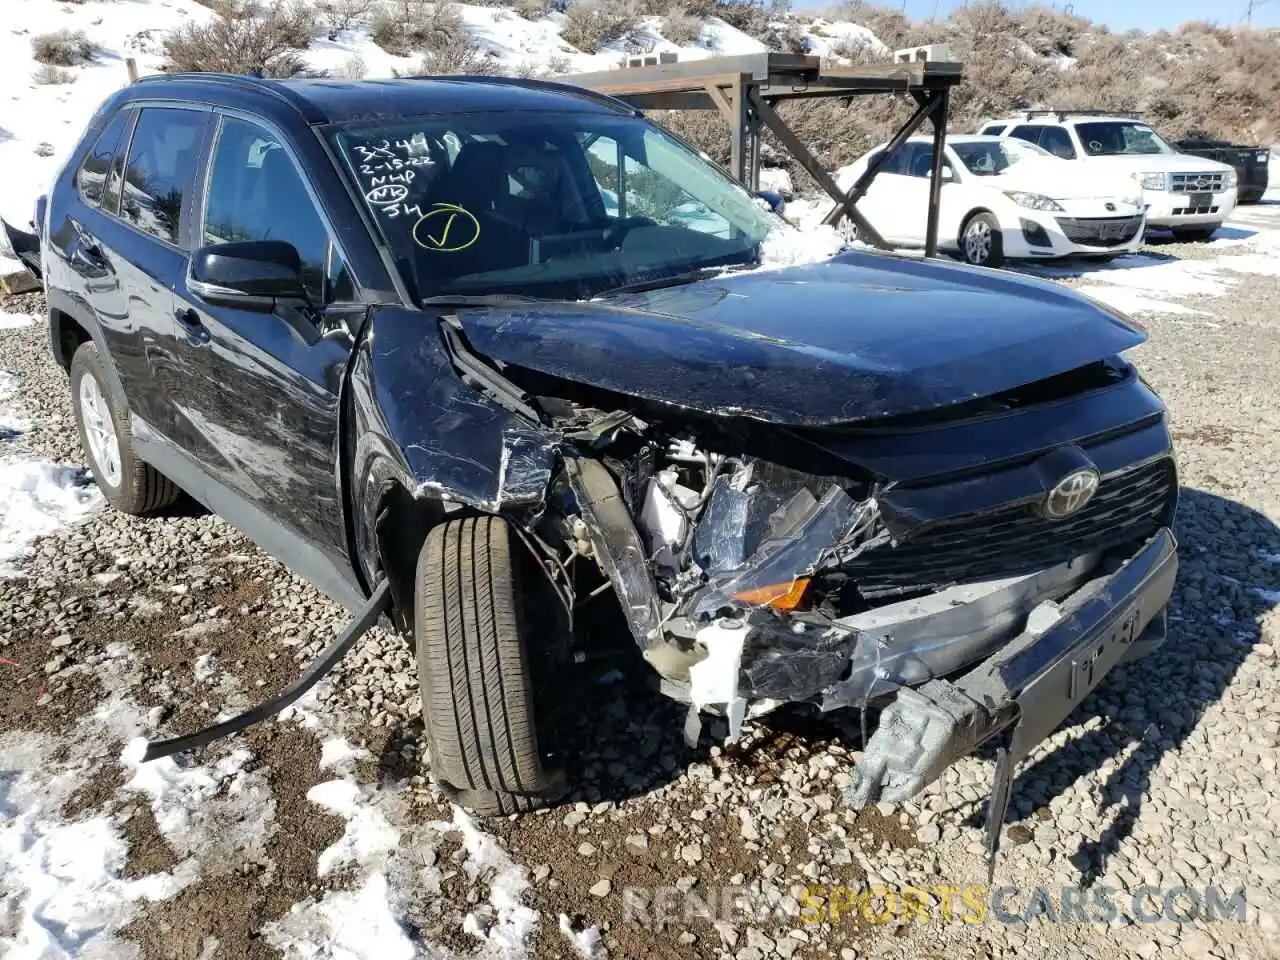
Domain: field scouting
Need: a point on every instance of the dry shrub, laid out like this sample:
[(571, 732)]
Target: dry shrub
[(63, 48), (891, 27), (47, 73), (531, 9), (245, 38), (749, 16), (786, 37), (681, 28), (342, 15), (414, 26), (590, 24)]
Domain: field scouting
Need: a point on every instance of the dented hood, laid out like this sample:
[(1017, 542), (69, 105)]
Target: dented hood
[(853, 338)]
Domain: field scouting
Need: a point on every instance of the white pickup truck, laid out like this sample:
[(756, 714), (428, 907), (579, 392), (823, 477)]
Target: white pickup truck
[(1189, 195)]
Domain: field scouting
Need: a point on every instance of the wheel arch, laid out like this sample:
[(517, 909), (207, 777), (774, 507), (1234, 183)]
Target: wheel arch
[(964, 221), (72, 325)]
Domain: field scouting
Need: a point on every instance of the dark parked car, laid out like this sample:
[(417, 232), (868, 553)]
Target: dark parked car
[(492, 355), (1251, 163)]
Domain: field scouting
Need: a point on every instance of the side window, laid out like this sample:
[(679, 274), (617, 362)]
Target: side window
[(159, 169), (994, 129), (921, 162), (1029, 132), (602, 159), (256, 193), (897, 162), (91, 178), (1058, 142)]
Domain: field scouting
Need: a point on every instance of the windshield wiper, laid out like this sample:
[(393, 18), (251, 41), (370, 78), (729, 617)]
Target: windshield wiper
[(484, 300), (673, 280)]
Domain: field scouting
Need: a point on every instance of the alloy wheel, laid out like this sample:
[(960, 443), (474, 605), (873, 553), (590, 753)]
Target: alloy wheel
[(977, 242), (100, 431)]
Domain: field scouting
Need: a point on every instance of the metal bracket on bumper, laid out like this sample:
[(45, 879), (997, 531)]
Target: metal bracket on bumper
[(1034, 682)]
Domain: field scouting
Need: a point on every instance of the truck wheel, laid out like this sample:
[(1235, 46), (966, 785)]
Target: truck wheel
[(1193, 234), (980, 241), (478, 595), (129, 484)]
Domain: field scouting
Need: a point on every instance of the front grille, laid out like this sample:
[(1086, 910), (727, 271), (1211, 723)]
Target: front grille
[(1100, 231), (1196, 183), (1188, 211), (1129, 505)]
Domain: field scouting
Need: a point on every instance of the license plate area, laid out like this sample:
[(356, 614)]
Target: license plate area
[(1200, 200), (1048, 700)]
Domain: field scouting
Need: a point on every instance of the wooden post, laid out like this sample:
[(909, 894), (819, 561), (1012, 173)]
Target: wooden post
[(132, 66)]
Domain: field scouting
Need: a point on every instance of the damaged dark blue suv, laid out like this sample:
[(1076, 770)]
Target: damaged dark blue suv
[(482, 354)]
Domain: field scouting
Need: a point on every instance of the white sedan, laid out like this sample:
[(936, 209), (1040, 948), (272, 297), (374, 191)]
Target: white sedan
[(1000, 199)]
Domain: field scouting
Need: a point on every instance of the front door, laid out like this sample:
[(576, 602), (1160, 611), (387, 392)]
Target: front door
[(258, 404)]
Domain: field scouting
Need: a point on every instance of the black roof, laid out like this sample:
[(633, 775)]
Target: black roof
[(327, 101)]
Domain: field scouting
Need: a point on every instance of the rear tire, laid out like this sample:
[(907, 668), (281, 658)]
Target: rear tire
[(476, 666), (981, 243), (1193, 234), (129, 484)]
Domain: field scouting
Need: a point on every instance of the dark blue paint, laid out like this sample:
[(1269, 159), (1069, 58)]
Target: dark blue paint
[(858, 337)]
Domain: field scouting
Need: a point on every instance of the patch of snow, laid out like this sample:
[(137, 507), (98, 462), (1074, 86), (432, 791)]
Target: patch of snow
[(777, 180), (348, 924), (15, 321), (220, 811), (793, 246), (38, 498), (1134, 301), (206, 667), (586, 943), (509, 933), (368, 837), (337, 753)]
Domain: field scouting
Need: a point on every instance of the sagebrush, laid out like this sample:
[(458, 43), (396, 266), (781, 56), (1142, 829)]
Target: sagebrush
[(590, 24), (63, 48), (245, 38)]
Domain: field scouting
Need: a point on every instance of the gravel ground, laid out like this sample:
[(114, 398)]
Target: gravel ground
[(1167, 775)]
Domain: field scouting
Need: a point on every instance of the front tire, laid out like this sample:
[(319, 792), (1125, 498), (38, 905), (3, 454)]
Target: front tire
[(476, 667), (129, 484), (981, 243), (1193, 234)]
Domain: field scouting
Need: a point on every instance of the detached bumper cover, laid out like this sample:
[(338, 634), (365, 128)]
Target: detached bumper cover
[(1031, 684)]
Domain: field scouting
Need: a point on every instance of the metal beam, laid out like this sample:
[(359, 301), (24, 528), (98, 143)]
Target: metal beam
[(859, 188), (815, 169), (939, 116), (738, 126)]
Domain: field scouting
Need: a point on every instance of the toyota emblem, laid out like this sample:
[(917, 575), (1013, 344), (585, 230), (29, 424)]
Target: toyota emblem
[(1111, 207), (1070, 494)]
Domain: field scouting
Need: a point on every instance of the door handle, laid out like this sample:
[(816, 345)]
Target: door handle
[(190, 322)]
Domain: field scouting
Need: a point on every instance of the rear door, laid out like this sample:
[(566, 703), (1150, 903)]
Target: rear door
[(256, 404), (886, 199), (121, 236)]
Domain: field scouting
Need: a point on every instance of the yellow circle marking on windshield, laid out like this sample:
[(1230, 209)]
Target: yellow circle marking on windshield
[(446, 228)]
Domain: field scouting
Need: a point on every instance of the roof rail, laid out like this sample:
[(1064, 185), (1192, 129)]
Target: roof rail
[(246, 81), (558, 86), (1065, 112)]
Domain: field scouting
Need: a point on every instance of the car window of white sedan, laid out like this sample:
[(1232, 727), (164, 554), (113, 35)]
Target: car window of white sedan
[(988, 158)]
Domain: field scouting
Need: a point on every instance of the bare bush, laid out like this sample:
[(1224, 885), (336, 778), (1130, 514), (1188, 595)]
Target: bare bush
[(590, 24), (245, 39), (414, 26), (891, 27), (681, 28), (342, 15), (48, 73), (786, 38), (749, 16), (557, 65), (63, 48), (531, 9), (457, 53)]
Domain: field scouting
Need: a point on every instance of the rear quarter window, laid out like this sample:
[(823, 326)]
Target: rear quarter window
[(91, 178), (160, 169), (994, 129)]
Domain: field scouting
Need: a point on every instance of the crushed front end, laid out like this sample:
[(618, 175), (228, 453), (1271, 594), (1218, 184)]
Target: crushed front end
[(963, 572)]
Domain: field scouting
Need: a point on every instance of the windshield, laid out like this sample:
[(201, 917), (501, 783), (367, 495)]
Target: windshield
[(986, 158), (563, 205), (1114, 138)]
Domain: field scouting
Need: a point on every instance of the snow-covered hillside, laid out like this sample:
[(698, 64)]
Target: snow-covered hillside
[(41, 122)]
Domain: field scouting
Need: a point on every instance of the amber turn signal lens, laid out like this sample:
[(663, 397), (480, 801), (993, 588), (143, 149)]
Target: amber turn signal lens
[(779, 596)]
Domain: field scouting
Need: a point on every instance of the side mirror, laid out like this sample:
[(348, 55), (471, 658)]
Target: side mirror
[(250, 275), (775, 200), (948, 175)]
